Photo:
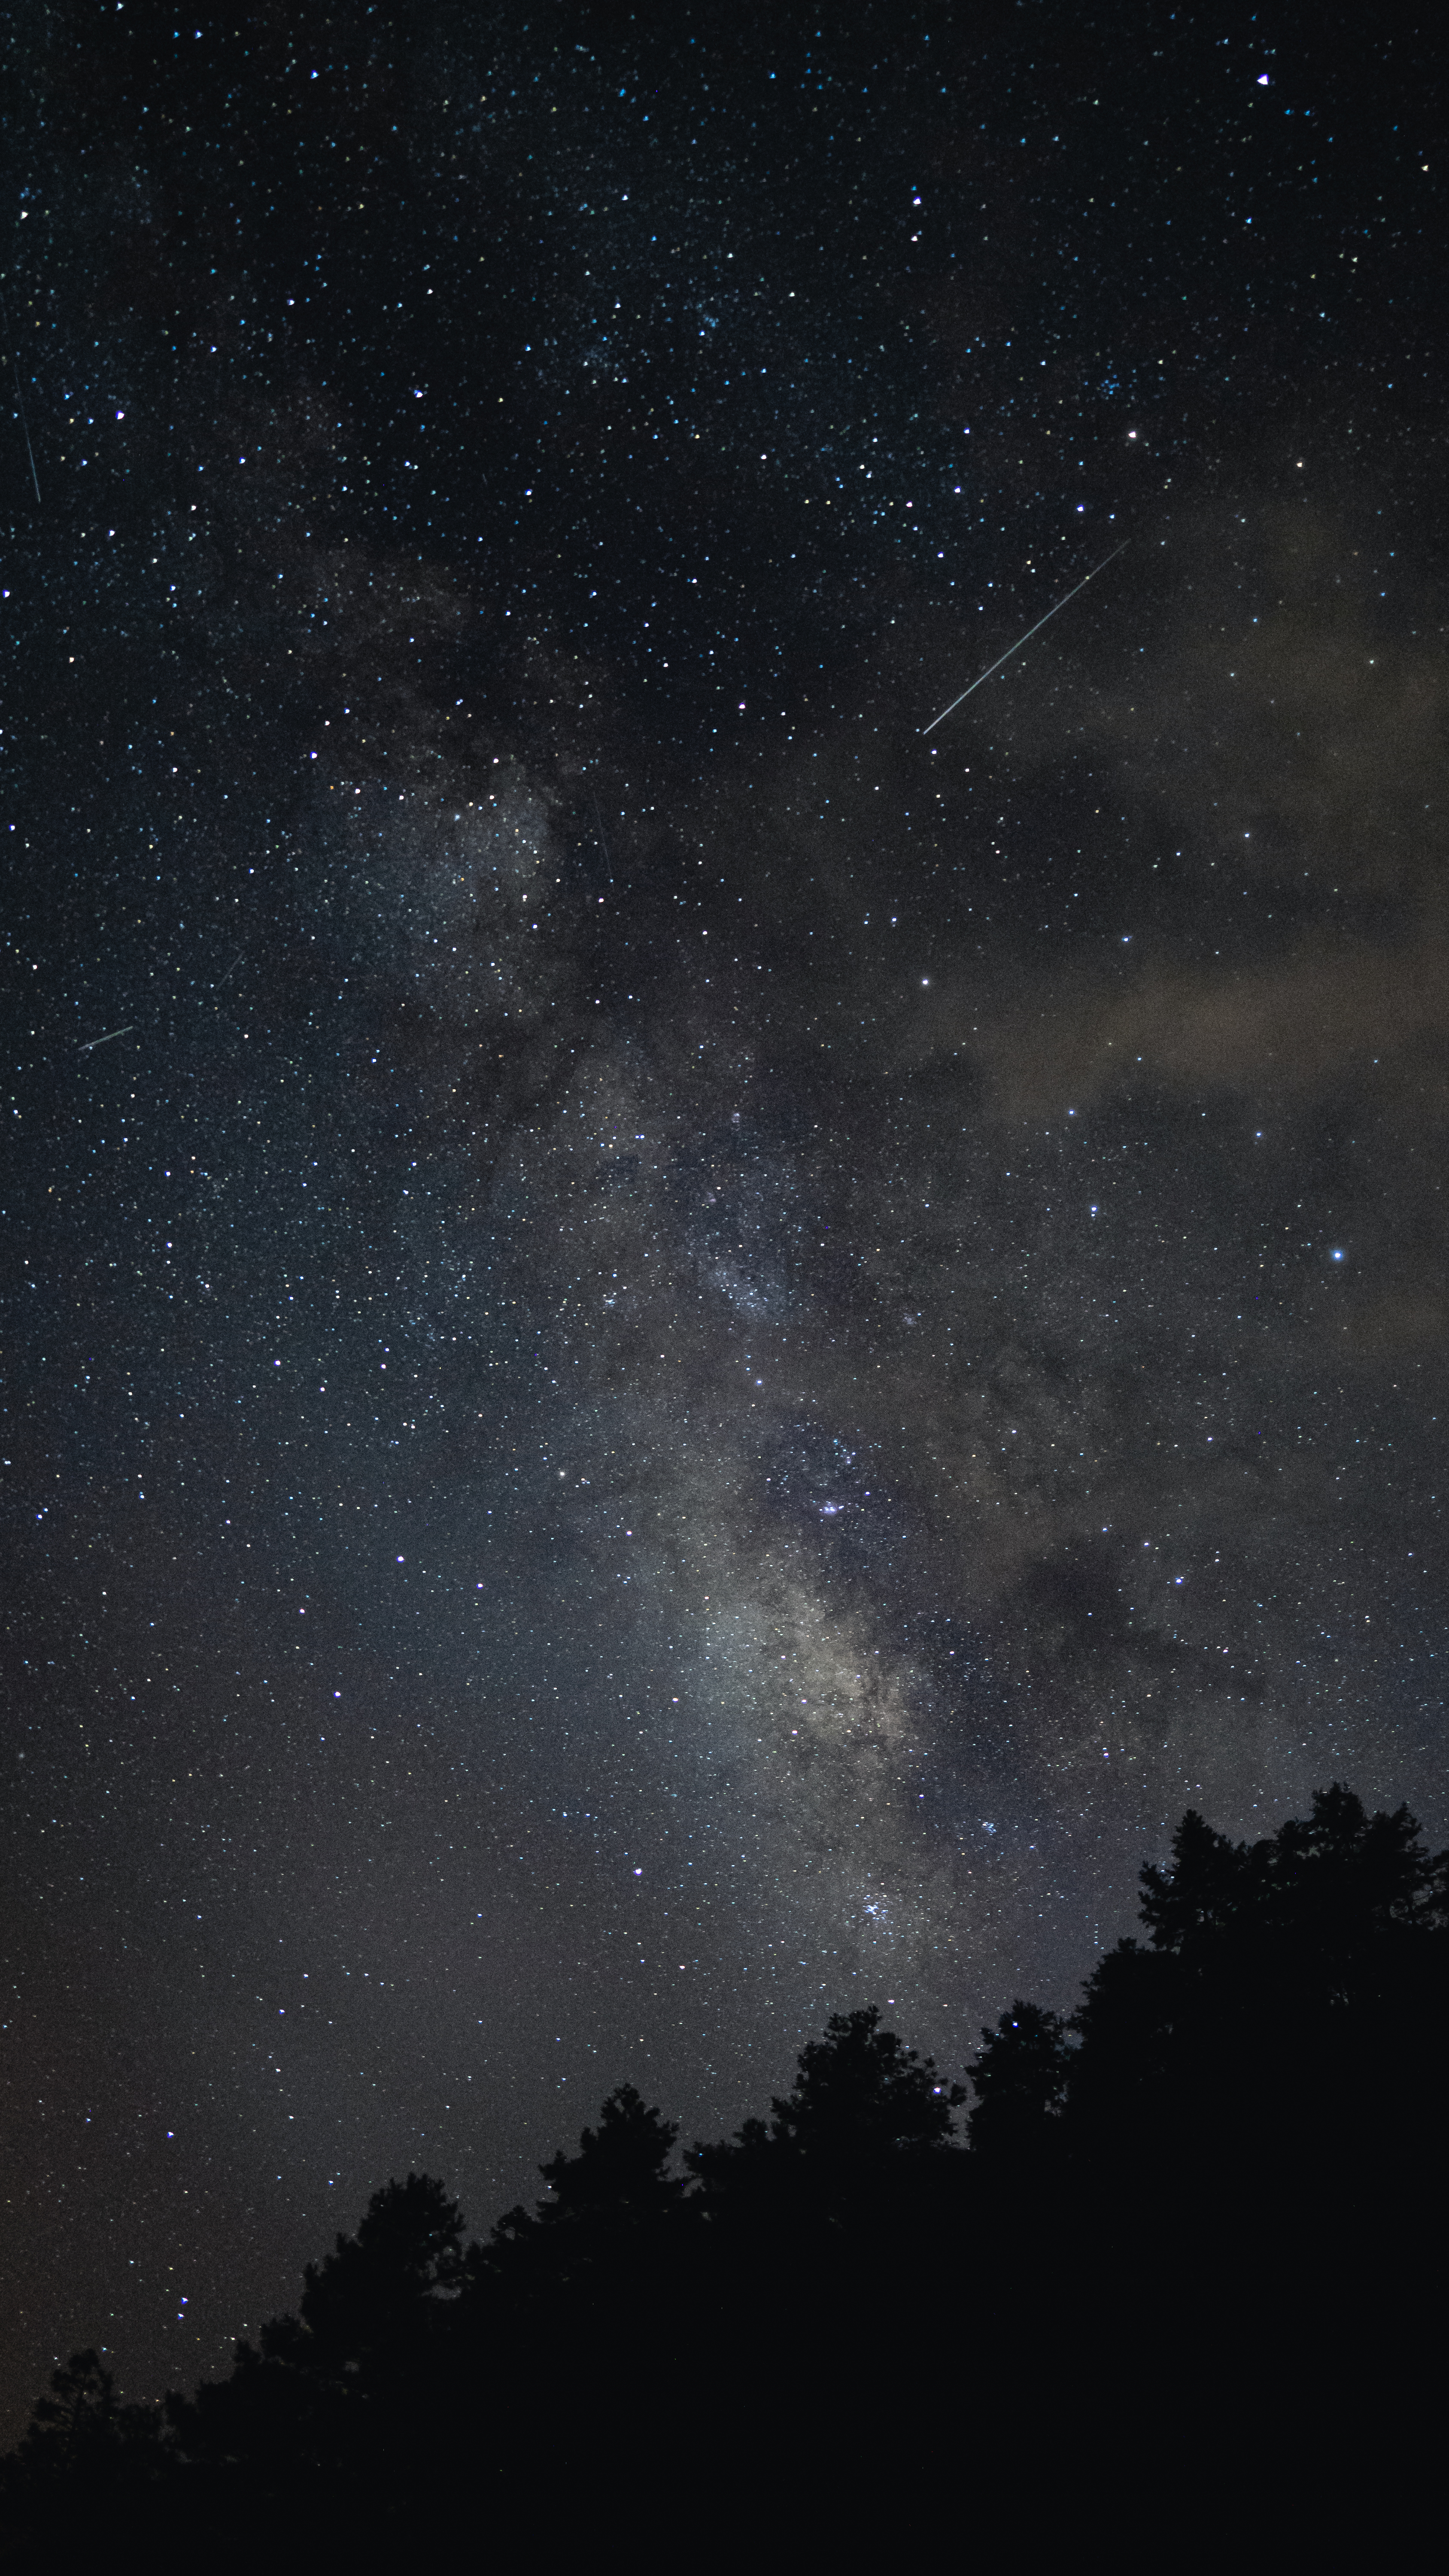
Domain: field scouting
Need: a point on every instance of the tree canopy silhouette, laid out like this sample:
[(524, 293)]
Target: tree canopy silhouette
[(1272, 2054), (308, 2395), (865, 2112), (1295, 1987), (606, 2203)]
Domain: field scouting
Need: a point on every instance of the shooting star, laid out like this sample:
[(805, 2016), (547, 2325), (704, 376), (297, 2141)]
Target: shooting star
[(1026, 638), (19, 397), (88, 1043)]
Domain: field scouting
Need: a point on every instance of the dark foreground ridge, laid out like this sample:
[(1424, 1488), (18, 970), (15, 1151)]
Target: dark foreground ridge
[(1182, 2287)]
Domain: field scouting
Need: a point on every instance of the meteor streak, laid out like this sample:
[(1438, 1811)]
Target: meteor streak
[(1026, 638), (88, 1043), (19, 396)]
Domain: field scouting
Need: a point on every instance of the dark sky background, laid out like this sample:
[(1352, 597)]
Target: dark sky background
[(698, 1356)]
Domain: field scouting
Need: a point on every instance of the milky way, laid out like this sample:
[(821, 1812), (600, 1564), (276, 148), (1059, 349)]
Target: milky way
[(680, 1356)]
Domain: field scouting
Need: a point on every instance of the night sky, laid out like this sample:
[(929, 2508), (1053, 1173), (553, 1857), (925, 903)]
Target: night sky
[(677, 1356)]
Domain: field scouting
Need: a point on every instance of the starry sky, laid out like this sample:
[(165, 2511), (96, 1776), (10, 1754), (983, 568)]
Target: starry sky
[(677, 1355)]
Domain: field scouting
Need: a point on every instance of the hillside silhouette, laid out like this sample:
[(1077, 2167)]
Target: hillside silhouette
[(1186, 2259)]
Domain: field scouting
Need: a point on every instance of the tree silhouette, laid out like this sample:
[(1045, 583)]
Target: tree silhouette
[(86, 2462), (1020, 2080), (308, 2397), (607, 2200), (1341, 1878), (385, 2284), (1292, 1984), (862, 2096), (81, 2430), (864, 2116)]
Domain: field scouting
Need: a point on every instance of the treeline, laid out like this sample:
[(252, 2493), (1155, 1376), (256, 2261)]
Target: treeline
[(1190, 2245)]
